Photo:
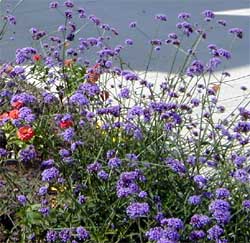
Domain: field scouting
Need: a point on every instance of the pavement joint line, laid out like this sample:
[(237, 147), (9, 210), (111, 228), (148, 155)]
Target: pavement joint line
[(235, 12)]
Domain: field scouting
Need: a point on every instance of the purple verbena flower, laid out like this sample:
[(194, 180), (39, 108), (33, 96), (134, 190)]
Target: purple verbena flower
[(200, 180), (44, 211), (82, 233), (51, 236), (222, 193), (103, 175), (95, 20), (68, 134), (215, 232), (222, 22), (173, 223), (161, 17), (194, 200), (81, 199), (125, 93), (223, 53), (50, 174), (22, 199), (129, 42), (69, 4), (65, 235), (241, 175), (196, 68), (219, 204), (94, 167), (199, 220), (27, 154), (53, 4), (246, 204), (184, 16), (208, 15), (155, 233), (222, 217), (242, 126), (132, 24), (197, 235), (237, 32), (42, 190), (176, 165), (137, 210)]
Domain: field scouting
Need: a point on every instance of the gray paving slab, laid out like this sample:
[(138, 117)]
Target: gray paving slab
[(35, 13)]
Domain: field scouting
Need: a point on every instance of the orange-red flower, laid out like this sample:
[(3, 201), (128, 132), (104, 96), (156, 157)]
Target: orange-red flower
[(25, 133), (68, 62), (17, 104), (14, 114), (36, 57), (4, 115), (66, 124), (9, 68), (216, 88), (94, 75)]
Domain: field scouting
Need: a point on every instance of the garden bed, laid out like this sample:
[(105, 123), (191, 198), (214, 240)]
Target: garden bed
[(97, 152)]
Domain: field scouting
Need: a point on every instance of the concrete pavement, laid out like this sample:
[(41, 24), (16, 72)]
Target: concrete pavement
[(118, 13)]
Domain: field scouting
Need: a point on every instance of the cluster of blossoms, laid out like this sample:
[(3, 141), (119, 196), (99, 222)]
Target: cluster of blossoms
[(168, 232), (66, 235), (126, 185)]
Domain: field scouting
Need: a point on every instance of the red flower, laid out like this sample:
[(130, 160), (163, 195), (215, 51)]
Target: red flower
[(66, 124), (17, 104), (36, 58), (14, 114), (94, 75), (68, 62), (25, 133), (4, 115)]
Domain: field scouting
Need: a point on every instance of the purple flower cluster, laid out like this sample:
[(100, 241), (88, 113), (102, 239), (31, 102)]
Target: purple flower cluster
[(215, 232), (185, 27), (221, 211), (50, 174), (94, 167), (22, 199), (169, 232), (68, 234), (24, 54), (68, 134), (208, 15), (114, 162), (237, 32), (82, 233), (137, 210), (200, 180), (194, 200), (176, 166), (161, 17), (28, 154), (199, 221), (25, 98), (79, 99), (196, 68), (126, 185)]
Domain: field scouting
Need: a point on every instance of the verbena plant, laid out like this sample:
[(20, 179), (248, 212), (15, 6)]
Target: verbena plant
[(96, 152)]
